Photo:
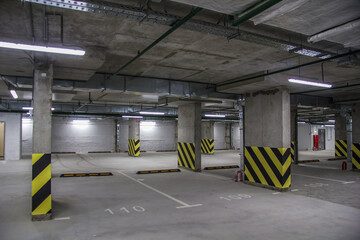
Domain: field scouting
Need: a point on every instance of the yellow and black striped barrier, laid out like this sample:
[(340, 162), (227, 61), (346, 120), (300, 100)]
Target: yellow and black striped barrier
[(86, 174), (41, 186), (341, 148), (221, 167), (292, 151), (268, 166), (356, 155), (207, 146), (158, 171), (186, 155), (134, 147)]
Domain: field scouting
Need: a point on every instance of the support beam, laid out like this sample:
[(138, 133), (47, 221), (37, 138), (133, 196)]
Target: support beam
[(134, 138), (340, 136), (356, 137), (189, 136), (207, 137), (267, 142), (41, 157)]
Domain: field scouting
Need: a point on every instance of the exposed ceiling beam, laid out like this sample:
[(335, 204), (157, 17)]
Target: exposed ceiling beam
[(287, 6), (334, 31)]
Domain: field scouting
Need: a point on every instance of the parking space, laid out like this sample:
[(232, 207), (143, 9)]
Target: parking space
[(183, 205)]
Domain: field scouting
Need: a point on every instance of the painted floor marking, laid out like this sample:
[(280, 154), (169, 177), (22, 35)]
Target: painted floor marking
[(327, 179), (216, 176), (275, 193), (294, 190), (312, 166), (63, 218), (109, 210), (184, 205)]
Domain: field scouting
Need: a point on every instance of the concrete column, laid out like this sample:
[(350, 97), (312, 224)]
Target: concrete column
[(207, 137), (293, 124), (267, 138), (228, 136), (340, 136), (41, 158), (189, 136), (356, 136), (134, 137)]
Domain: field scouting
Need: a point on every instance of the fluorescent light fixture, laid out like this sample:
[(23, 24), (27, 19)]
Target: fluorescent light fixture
[(148, 123), (125, 116), (332, 120), (329, 125), (81, 121), (37, 48), (308, 52), (215, 115), (152, 113), (31, 108), (317, 84), (13, 93), (325, 56), (301, 122)]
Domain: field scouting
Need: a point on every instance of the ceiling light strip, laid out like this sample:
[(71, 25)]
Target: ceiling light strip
[(317, 84), (37, 48)]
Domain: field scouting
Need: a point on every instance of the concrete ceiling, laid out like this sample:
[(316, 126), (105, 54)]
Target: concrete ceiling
[(189, 54)]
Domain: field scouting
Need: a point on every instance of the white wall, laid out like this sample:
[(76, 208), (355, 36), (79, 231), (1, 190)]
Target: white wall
[(306, 132), (27, 134), (219, 135), (236, 138), (97, 135), (304, 137), (158, 137), (161, 136), (12, 135)]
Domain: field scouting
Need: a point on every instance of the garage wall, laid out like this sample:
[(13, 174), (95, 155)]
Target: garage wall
[(236, 136), (329, 135), (97, 135), (158, 137), (306, 132), (161, 136), (219, 135), (12, 135)]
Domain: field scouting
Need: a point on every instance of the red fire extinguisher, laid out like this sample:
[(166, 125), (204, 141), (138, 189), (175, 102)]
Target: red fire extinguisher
[(344, 165), (238, 176)]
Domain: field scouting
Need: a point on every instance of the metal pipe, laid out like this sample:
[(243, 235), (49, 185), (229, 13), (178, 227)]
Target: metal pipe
[(253, 11), (168, 32), (289, 69)]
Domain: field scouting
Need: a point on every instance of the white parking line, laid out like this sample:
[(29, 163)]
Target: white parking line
[(327, 179), (63, 218), (183, 204), (294, 190), (312, 166)]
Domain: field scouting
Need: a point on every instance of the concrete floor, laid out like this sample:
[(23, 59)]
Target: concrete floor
[(323, 204)]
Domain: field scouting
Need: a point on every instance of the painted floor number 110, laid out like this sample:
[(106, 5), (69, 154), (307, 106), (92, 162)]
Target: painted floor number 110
[(235, 197)]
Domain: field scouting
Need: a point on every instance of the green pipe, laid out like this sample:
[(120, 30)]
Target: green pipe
[(247, 14), (168, 32), (289, 69)]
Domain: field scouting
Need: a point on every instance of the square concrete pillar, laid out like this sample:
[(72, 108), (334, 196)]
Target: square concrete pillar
[(41, 157), (207, 137), (134, 138), (267, 138), (356, 137), (340, 136), (189, 136), (293, 130)]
